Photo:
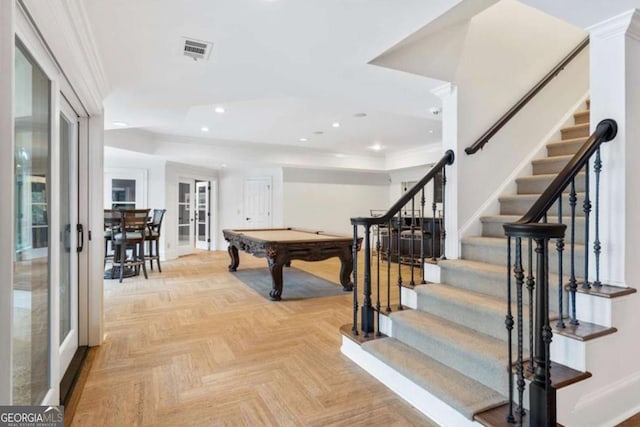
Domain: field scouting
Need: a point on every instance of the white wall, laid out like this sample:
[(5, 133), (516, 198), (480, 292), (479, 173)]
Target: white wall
[(537, 42), (231, 197), (326, 200)]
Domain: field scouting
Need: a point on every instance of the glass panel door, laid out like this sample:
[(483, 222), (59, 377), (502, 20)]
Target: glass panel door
[(202, 215), (123, 194), (31, 327), (185, 214), (68, 280)]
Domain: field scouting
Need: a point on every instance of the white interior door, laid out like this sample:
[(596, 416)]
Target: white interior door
[(202, 215), (257, 202), (186, 214), (68, 241)]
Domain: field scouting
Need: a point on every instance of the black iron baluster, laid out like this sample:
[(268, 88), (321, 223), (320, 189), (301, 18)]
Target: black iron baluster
[(573, 285), (378, 278), (389, 240), (560, 249), (508, 321), (542, 396), (398, 259), (355, 280), (586, 205), (519, 275), (367, 308), (413, 240), (443, 231), (597, 167), (433, 223), (531, 284), (422, 234)]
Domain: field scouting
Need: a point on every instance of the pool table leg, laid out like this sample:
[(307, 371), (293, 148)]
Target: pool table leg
[(275, 267), (235, 259), (346, 268)]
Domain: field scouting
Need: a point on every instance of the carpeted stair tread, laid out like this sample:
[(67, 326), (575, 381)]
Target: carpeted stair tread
[(492, 225), (575, 131), (548, 165), (481, 312), (462, 393), (582, 116), (466, 350), (489, 279), (565, 147), (519, 204), (537, 184)]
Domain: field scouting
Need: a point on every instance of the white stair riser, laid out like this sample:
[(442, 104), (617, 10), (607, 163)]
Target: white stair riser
[(415, 395)]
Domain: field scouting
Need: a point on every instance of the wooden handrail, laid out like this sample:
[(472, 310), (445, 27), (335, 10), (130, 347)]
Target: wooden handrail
[(447, 159), (484, 139), (605, 131)]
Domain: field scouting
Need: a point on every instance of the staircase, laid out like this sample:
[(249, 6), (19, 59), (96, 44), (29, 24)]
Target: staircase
[(449, 353)]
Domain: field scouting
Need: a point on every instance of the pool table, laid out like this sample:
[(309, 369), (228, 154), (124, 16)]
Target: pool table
[(281, 245)]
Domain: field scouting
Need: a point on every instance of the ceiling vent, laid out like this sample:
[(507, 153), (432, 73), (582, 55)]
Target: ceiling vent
[(197, 49)]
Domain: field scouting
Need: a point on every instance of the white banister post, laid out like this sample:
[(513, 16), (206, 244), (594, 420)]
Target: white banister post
[(449, 95), (615, 94)]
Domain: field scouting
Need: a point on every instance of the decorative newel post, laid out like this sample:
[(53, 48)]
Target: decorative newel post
[(367, 308)]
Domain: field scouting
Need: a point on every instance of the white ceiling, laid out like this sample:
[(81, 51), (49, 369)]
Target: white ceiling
[(282, 69)]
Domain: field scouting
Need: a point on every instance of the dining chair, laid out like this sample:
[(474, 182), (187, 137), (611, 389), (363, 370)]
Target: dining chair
[(153, 236), (131, 236)]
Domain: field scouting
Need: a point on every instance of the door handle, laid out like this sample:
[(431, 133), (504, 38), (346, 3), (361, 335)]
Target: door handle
[(80, 231), (248, 219)]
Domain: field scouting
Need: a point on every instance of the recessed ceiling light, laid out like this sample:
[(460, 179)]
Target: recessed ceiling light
[(360, 115), (430, 130), (204, 129), (340, 155), (303, 139), (219, 110), (121, 124), (224, 165), (318, 132), (335, 124), (376, 147)]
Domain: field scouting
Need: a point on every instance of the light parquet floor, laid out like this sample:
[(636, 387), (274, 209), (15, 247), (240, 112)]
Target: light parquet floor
[(193, 346)]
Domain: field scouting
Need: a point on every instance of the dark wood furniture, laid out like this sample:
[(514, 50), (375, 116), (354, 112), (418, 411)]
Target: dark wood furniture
[(426, 231), (130, 235), (281, 245), (153, 237)]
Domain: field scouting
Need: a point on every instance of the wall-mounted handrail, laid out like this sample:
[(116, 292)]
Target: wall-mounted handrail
[(502, 121)]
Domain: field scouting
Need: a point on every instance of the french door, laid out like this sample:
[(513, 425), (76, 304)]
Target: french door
[(202, 215), (186, 213), (70, 230)]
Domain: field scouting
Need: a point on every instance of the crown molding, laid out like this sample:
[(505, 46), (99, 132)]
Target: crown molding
[(444, 90), (66, 29), (625, 24)]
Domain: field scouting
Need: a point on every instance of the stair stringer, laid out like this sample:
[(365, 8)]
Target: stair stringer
[(473, 227), (611, 395)]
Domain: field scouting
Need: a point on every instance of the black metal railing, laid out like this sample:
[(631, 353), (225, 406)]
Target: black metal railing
[(502, 121), (538, 233), (404, 236)]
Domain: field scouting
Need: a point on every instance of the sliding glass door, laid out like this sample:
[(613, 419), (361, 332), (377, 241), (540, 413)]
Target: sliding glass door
[(31, 327), (68, 242)]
